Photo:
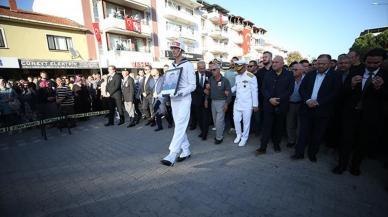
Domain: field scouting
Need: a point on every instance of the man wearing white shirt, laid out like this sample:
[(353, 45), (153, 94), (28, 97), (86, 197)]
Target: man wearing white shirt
[(318, 92), (181, 103)]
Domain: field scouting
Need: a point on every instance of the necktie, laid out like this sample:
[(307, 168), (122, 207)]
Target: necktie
[(201, 80), (369, 80)]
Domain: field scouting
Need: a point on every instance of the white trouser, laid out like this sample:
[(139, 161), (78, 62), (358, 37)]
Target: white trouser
[(181, 114), (245, 116), (129, 107)]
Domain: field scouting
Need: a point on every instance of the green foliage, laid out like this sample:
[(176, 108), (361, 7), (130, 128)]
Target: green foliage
[(368, 41), (293, 56)]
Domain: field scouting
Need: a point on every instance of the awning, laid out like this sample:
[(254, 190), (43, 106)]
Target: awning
[(9, 62), (57, 64)]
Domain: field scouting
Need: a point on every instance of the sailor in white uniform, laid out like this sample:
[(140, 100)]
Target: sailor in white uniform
[(246, 100), (180, 104)]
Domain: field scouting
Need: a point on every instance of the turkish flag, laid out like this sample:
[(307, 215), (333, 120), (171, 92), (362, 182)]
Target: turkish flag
[(96, 29), (137, 26), (246, 33), (129, 24)]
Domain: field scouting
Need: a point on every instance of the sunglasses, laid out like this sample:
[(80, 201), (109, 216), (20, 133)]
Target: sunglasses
[(251, 66), (213, 70)]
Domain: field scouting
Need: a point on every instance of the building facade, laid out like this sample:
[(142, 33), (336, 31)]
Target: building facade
[(32, 42)]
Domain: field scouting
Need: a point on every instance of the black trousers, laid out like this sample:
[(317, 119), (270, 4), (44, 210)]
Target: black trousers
[(137, 104), (229, 121), (115, 103), (311, 133), (193, 116), (360, 136), (273, 127)]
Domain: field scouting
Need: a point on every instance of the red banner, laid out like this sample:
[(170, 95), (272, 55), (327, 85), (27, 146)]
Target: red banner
[(96, 30), (246, 45), (132, 25)]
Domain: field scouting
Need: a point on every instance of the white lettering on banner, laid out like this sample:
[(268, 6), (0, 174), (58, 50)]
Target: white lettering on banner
[(58, 64)]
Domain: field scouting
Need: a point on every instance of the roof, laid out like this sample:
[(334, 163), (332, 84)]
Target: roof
[(209, 7), (29, 15), (374, 30)]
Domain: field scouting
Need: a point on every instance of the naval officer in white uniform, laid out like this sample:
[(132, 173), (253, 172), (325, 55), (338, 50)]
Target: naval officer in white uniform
[(180, 104), (246, 101)]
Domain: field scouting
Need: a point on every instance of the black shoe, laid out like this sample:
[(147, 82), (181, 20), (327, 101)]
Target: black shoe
[(277, 149), (153, 124), (180, 159), (204, 138), (290, 145), (166, 163), (148, 123), (313, 158), (200, 135), (338, 170), (120, 123), (216, 141), (260, 151), (158, 129), (297, 157), (108, 124), (355, 171)]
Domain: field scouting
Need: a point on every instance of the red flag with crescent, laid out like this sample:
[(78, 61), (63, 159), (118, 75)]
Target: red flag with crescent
[(96, 30), (246, 33)]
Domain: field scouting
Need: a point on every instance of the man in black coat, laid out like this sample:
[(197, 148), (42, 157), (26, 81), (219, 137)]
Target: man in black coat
[(113, 87), (278, 85), (199, 112), (318, 91), (364, 92)]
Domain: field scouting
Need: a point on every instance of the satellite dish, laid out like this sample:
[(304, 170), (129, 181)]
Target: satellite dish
[(74, 53)]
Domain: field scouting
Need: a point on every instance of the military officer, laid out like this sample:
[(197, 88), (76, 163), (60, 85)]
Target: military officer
[(180, 104), (246, 101)]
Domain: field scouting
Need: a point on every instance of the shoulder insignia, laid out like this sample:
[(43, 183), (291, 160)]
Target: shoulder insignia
[(250, 74)]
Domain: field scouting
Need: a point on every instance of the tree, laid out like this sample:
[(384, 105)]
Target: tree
[(293, 56), (368, 41)]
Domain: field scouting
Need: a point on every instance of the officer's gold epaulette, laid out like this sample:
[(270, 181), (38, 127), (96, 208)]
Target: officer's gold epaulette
[(250, 74)]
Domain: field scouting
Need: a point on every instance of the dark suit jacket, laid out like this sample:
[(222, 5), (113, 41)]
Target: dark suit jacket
[(327, 93), (372, 99), (113, 86), (198, 96), (145, 88), (128, 89), (260, 74), (281, 87)]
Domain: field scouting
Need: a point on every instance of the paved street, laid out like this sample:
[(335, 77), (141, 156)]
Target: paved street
[(115, 171)]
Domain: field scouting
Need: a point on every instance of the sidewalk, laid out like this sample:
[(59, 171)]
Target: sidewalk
[(115, 171)]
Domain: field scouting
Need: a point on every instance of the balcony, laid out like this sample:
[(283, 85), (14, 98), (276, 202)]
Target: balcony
[(178, 15), (115, 25), (237, 39), (186, 35), (217, 18), (219, 34), (258, 47), (217, 48), (237, 27)]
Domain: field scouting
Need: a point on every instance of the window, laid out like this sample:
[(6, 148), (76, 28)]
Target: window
[(120, 12), (127, 43), (59, 42), (3, 43), (95, 11)]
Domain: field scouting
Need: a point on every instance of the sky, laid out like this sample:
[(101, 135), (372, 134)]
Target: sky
[(311, 27)]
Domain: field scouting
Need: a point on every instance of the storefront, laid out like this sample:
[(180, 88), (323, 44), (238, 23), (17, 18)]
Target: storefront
[(32, 67)]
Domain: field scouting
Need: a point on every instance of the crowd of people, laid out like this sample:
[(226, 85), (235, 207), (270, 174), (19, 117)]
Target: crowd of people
[(342, 102)]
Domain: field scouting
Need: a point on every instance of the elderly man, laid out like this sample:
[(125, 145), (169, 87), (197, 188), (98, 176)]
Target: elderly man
[(278, 85), (220, 95), (246, 101), (318, 91), (180, 104), (199, 113), (128, 90), (292, 120)]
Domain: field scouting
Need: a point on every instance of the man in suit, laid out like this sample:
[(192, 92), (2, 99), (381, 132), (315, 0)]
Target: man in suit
[(278, 85), (364, 92), (318, 91), (147, 90), (113, 87), (267, 62), (199, 112), (128, 90)]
